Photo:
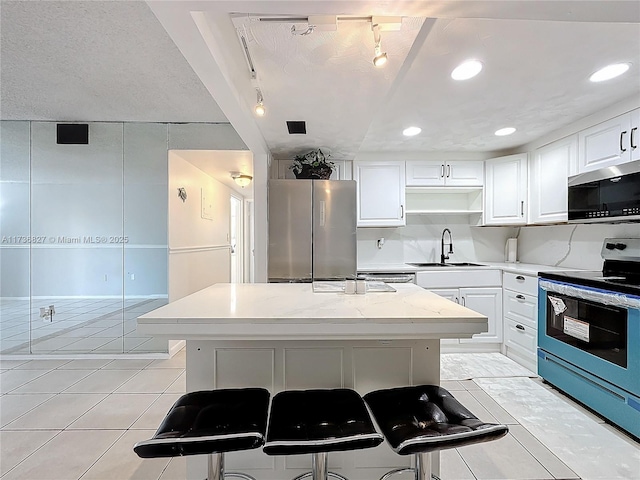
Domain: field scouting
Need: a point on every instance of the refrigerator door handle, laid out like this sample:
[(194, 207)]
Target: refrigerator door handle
[(323, 211)]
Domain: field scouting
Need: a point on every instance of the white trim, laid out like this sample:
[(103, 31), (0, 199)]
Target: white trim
[(326, 441), (169, 441), (176, 347), (152, 296), (442, 438), (196, 249), (126, 246)]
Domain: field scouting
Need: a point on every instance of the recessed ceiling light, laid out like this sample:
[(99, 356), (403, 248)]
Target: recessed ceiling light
[(466, 70), (411, 131), (505, 131), (609, 72)]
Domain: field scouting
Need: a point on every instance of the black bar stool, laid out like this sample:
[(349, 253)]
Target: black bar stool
[(319, 422), (211, 422), (423, 419)]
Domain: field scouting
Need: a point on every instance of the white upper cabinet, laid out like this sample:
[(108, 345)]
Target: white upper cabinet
[(506, 190), (548, 172), (609, 143), (634, 135), (380, 193), (430, 173)]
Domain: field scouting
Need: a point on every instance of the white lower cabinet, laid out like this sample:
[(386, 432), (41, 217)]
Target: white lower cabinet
[(521, 319), (487, 301), (479, 290)]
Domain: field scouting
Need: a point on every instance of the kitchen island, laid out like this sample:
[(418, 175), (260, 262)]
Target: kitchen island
[(285, 336)]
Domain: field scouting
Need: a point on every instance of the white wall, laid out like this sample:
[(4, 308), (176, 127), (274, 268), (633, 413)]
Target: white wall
[(199, 249)]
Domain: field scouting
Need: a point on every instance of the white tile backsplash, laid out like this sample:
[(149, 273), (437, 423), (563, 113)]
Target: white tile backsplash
[(419, 241), (571, 246)]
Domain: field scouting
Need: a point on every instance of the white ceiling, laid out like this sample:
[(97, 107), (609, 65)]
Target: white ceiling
[(107, 60), (95, 61)]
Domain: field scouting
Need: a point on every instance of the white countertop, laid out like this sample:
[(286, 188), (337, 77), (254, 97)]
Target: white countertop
[(285, 311), (525, 268)]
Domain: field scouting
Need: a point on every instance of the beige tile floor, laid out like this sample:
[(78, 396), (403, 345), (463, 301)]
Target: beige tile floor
[(87, 325), (78, 419)]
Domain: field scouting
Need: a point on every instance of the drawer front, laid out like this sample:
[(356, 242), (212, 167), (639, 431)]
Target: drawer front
[(520, 283), (457, 278), (522, 307), (520, 336)]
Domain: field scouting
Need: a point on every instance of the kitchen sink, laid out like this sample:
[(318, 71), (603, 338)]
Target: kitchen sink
[(429, 264), (466, 264), (452, 264)]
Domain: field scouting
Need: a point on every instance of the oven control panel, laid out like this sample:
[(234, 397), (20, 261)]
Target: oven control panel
[(621, 249)]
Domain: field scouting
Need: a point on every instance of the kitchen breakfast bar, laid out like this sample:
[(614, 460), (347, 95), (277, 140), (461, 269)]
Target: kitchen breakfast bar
[(286, 337)]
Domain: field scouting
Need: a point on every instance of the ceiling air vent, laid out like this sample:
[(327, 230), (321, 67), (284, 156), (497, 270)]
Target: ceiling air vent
[(297, 127)]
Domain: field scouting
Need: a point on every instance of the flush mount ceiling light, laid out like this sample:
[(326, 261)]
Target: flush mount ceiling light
[(411, 131), (241, 179), (380, 57), (259, 108), (505, 131), (467, 70), (609, 72)]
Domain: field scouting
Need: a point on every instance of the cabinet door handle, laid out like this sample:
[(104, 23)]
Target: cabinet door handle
[(448, 171), (520, 297), (457, 300), (442, 170), (633, 136), (622, 134), (464, 301), (522, 208), (401, 211), (520, 277), (520, 327)]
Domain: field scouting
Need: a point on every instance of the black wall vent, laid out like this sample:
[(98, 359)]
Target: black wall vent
[(72, 133), (297, 127)]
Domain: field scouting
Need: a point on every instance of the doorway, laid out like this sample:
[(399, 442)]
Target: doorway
[(236, 239)]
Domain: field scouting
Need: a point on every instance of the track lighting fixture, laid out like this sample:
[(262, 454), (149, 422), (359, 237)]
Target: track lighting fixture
[(241, 179), (380, 57), (259, 108)]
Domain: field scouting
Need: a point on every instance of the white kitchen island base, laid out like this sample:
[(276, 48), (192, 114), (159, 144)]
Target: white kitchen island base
[(285, 336), (276, 366)]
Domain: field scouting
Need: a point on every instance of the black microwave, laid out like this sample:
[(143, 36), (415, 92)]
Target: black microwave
[(611, 194)]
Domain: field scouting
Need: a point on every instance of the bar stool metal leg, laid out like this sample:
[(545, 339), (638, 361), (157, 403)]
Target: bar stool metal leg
[(215, 469), (423, 466), (319, 466), (215, 466)]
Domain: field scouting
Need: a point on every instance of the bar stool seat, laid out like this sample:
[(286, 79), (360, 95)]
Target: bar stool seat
[(426, 418), (319, 422), (211, 422)]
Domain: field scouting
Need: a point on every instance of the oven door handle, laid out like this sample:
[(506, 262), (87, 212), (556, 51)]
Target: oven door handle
[(604, 297)]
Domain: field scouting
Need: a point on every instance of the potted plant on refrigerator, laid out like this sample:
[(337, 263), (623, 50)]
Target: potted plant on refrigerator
[(312, 165)]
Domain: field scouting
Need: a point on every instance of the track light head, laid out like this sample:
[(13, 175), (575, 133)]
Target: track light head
[(259, 108), (380, 57)]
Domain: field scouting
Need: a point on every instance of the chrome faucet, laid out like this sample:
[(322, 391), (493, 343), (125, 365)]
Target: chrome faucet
[(444, 257)]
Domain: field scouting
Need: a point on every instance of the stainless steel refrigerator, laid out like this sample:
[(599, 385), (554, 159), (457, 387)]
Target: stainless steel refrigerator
[(312, 230)]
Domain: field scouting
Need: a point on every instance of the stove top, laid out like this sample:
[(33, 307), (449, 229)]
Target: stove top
[(596, 280), (620, 272)]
